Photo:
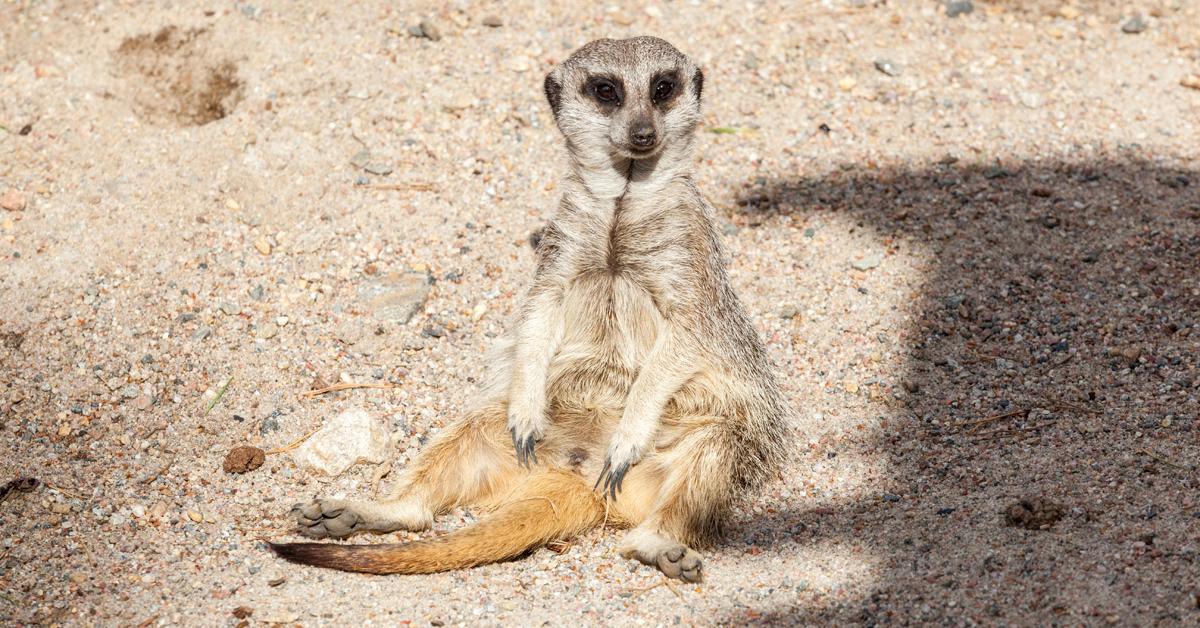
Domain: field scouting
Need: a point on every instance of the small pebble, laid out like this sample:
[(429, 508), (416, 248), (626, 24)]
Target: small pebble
[(1135, 25), (867, 262), (429, 30), (12, 200), (519, 64), (621, 18), (887, 67), (955, 8)]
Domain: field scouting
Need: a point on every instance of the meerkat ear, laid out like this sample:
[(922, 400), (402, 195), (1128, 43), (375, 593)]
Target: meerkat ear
[(553, 92), (698, 82)]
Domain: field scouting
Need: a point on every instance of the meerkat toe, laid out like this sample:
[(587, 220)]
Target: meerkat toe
[(311, 511), (342, 524), (326, 518), (691, 567), (681, 563)]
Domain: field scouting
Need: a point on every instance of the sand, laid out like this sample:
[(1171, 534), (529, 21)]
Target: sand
[(971, 244)]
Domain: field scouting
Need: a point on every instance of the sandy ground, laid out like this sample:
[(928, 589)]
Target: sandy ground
[(977, 272)]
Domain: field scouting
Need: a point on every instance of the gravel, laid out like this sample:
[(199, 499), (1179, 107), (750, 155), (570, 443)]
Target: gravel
[(990, 357)]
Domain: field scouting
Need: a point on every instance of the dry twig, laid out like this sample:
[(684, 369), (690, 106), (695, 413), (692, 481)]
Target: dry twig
[(62, 490), (1012, 431), (1070, 406), (1163, 459), (976, 423), (161, 470), (640, 590), (419, 186), (292, 445), (309, 394)]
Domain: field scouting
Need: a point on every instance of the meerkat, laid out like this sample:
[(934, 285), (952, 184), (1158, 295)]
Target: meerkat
[(633, 389)]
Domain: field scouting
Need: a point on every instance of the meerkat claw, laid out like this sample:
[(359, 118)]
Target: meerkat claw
[(525, 448), (612, 478)]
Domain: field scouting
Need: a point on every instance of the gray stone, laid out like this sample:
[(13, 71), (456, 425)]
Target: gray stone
[(887, 67), (361, 159), (955, 8), (1135, 25), (397, 297), (867, 262), (350, 438), (428, 30)]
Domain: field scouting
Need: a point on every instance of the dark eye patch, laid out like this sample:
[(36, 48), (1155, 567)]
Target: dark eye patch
[(665, 87), (607, 91)]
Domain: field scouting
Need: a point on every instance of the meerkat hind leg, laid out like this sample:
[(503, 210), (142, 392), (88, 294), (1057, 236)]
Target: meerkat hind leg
[(690, 499), (466, 463)]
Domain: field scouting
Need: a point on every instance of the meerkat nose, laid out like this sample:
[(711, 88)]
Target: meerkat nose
[(643, 136)]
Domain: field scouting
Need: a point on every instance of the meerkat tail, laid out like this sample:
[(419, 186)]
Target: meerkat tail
[(550, 505)]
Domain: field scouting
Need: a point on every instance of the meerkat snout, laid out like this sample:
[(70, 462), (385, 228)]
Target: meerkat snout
[(642, 133), (625, 99)]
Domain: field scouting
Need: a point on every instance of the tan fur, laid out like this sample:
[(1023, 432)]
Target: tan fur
[(550, 504), (631, 365)]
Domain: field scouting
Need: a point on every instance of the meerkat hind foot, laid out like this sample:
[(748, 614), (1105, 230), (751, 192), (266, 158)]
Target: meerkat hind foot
[(682, 563), (672, 558), (335, 518)]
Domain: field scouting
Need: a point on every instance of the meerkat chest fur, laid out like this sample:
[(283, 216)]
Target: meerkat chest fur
[(621, 263)]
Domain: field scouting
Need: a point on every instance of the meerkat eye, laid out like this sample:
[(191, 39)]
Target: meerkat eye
[(663, 90), (604, 91)]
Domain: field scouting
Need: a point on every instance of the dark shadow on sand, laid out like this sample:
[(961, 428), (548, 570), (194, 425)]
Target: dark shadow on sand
[(1066, 295)]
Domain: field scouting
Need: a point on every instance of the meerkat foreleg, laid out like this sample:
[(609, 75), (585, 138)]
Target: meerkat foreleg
[(537, 337), (666, 369)]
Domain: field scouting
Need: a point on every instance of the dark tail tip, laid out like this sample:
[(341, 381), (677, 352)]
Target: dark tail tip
[(303, 553), (359, 558)]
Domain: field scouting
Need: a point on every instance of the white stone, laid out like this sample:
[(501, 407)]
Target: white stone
[(350, 438)]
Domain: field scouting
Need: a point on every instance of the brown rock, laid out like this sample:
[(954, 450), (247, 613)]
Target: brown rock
[(12, 200), (243, 459), (1036, 513), (243, 612)]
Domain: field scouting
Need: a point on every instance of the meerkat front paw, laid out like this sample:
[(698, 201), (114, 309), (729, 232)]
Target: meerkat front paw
[(622, 455), (527, 426)]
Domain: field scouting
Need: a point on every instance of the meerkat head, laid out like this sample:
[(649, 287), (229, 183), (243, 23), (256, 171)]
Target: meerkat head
[(625, 99)]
